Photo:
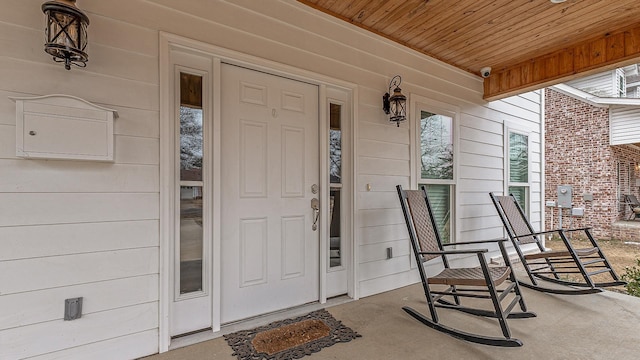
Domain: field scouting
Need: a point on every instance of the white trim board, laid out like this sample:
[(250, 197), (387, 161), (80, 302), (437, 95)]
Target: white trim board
[(594, 100)]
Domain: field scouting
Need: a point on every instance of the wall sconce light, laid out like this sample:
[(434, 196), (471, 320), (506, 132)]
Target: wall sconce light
[(66, 32), (396, 104)]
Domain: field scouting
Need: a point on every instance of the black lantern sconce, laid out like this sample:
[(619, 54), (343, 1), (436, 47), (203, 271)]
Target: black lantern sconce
[(396, 104), (66, 33)]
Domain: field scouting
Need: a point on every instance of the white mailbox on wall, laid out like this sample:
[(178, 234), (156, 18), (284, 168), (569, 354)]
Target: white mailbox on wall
[(63, 127)]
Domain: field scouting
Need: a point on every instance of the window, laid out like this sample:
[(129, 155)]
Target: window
[(437, 167), (191, 183), (335, 176), (518, 168)]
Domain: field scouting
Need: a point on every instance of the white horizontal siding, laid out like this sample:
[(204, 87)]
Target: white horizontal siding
[(46, 305), (132, 346), (601, 84), (67, 270), (374, 131), (382, 182), (378, 200), (384, 149), (23, 242), (73, 176), (380, 166), (71, 228), (383, 233), (379, 217), (104, 59), (383, 268), (624, 123), (378, 252), (66, 208), (479, 160), (27, 341), (93, 87)]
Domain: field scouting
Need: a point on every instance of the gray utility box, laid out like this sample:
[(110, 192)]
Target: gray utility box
[(565, 192), (578, 212)]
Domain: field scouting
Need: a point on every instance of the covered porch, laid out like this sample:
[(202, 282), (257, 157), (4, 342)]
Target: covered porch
[(595, 326), (110, 233)]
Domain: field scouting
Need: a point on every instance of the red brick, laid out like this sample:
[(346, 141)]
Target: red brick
[(577, 153)]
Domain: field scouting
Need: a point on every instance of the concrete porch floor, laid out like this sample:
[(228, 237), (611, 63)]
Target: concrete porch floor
[(596, 326)]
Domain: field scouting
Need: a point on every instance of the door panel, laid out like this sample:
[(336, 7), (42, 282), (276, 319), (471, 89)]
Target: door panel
[(293, 246), (270, 253), (253, 251), (292, 162), (253, 159)]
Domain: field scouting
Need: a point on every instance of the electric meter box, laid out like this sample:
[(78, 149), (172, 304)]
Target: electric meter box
[(564, 196)]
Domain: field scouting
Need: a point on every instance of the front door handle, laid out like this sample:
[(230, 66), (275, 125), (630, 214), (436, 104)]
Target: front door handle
[(315, 205)]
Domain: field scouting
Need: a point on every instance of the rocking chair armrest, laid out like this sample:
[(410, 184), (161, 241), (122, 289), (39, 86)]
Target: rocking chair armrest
[(454, 252), (551, 232), (537, 233), (476, 242)]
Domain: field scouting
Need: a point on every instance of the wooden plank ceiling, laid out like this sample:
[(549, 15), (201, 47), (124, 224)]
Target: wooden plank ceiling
[(529, 44)]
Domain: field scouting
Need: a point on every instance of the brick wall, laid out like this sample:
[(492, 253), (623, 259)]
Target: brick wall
[(577, 153)]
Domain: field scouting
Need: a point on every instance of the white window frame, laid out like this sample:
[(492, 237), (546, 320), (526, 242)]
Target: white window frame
[(510, 128), (343, 97), (417, 105)]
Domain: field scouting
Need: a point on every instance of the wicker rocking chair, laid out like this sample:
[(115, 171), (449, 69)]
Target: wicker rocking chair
[(554, 265), (482, 282)]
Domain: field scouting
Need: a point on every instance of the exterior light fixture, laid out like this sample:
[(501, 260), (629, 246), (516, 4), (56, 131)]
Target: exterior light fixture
[(396, 104), (66, 33)]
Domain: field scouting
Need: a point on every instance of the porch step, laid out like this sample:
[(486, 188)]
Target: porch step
[(626, 230)]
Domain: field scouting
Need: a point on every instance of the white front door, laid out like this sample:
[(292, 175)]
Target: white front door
[(269, 166)]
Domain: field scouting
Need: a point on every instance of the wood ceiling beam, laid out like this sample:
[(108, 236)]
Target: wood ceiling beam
[(608, 51)]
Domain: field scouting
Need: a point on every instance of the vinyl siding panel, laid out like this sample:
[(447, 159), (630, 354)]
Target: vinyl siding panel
[(44, 305), (92, 329), (601, 84), (129, 347), (66, 223), (624, 123), (24, 242), (72, 228)]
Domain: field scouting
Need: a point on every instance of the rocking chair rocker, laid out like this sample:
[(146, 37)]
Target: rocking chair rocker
[(552, 265), (478, 282)]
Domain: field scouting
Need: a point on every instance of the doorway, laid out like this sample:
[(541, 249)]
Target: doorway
[(250, 244)]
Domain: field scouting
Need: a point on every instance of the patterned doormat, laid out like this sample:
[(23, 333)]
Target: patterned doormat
[(290, 338)]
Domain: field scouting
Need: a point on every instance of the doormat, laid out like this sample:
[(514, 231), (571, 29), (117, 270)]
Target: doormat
[(290, 338)]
